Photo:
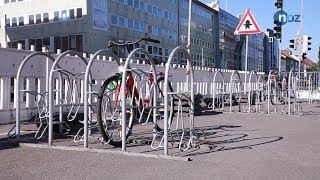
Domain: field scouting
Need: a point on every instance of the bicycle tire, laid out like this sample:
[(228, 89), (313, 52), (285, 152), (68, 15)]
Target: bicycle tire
[(159, 125), (109, 116)]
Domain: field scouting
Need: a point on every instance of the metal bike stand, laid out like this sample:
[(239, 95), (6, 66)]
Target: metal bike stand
[(18, 82), (232, 80), (88, 90), (269, 87), (51, 103), (123, 90), (218, 91), (253, 72), (166, 94), (292, 83)]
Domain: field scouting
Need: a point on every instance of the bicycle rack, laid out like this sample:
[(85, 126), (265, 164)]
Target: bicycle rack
[(269, 87), (235, 87), (42, 112), (51, 103), (123, 91), (190, 74), (218, 92), (254, 92), (87, 103)]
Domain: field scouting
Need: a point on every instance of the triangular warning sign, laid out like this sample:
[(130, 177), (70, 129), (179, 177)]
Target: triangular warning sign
[(247, 24)]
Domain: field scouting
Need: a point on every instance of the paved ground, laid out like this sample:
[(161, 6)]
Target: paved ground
[(242, 146)]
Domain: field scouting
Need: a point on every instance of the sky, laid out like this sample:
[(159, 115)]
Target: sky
[(264, 10)]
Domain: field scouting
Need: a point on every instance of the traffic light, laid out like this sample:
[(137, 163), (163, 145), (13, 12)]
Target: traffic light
[(279, 4), (278, 31), (294, 43), (306, 43), (304, 56)]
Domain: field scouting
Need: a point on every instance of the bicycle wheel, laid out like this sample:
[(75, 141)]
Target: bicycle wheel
[(109, 111), (160, 113)]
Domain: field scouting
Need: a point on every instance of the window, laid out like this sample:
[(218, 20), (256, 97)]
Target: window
[(72, 42), (21, 21), (114, 19), (149, 8), (45, 17), (79, 12), (136, 25), (38, 44), (14, 21), (79, 43), (142, 27), (6, 1), (8, 22), (56, 16), (57, 43), (155, 10), (121, 21), (130, 24), (130, 2), (64, 43), (12, 1), (142, 8), (64, 15), (71, 14), (150, 29), (38, 18), (46, 42), (136, 4), (31, 19)]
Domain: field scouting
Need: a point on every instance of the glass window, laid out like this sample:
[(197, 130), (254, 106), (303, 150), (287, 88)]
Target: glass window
[(150, 29), (121, 21), (79, 12), (46, 42), (14, 21), (130, 2), (136, 25), (45, 17), (155, 10), (136, 4), (166, 14), (130, 24), (64, 43), (72, 42), (142, 27), (149, 8), (31, 19), (71, 14), (160, 12), (6, 1), (12, 1), (38, 18), (64, 15), (150, 49), (142, 7), (38, 44), (56, 16), (57, 43), (114, 19), (21, 21), (79, 43)]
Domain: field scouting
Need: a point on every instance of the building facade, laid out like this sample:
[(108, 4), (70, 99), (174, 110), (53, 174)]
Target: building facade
[(271, 44), (87, 26), (230, 44)]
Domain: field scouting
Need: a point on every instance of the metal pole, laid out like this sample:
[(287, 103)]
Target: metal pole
[(189, 43), (246, 64), (280, 46)]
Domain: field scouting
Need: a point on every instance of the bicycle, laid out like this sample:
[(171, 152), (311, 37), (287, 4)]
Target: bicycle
[(139, 105)]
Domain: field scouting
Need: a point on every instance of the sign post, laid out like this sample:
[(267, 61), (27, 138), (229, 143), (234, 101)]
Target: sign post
[(247, 25)]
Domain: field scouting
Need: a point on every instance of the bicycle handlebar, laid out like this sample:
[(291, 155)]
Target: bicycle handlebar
[(111, 43)]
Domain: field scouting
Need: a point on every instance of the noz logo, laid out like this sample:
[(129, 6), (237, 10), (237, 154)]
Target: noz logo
[(281, 18)]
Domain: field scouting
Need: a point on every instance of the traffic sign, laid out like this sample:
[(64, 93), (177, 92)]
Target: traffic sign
[(248, 24)]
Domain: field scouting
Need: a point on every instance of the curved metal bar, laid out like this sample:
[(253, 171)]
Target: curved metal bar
[(88, 88), (214, 85), (123, 90), (55, 63), (291, 75), (17, 93), (249, 94), (269, 87), (231, 79), (166, 88)]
